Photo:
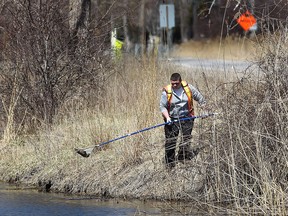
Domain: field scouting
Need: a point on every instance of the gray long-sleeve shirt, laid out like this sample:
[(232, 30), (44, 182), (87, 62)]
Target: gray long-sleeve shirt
[(179, 102)]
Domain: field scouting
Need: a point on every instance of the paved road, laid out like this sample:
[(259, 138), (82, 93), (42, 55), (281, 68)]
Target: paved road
[(213, 64)]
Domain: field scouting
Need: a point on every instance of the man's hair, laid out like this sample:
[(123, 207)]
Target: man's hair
[(176, 77)]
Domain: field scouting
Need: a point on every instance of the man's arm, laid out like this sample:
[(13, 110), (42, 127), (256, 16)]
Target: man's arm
[(163, 106), (197, 96)]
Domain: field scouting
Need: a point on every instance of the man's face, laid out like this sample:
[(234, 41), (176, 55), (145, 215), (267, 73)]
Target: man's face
[(175, 84)]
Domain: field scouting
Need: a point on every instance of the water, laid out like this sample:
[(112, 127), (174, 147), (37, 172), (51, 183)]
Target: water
[(15, 202)]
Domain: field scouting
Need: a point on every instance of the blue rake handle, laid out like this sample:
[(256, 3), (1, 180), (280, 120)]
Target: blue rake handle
[(87, 151)]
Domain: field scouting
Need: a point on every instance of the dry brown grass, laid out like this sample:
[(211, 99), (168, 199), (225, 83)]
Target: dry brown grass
[(243, 171), (232, 48)]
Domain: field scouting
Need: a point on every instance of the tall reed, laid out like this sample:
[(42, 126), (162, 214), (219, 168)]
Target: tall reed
[(249, 161), (242, 170)]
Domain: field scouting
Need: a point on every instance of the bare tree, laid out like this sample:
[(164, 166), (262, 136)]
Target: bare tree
[(49, 56)]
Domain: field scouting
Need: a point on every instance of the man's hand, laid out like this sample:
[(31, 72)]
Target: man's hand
[(169, 121)]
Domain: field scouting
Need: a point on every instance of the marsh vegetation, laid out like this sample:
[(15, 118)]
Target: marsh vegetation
[(84, 97)]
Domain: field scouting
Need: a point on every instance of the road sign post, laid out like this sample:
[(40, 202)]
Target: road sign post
[(167, 22)]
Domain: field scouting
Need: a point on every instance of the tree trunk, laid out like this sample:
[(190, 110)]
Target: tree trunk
[(80, 17), (127, 42), (195, 6), (142, 27), (251, 6), (182, 6)]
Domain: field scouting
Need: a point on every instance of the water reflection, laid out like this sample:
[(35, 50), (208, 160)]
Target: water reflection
[(15, 202), (28, 202)]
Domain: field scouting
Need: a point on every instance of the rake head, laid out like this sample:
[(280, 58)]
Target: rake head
[(83, 152)]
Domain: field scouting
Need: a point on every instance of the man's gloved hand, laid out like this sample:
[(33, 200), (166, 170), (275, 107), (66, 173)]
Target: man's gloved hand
[(169, 121)]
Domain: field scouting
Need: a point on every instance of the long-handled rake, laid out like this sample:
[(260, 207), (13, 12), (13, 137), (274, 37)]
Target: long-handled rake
[(85, 152)]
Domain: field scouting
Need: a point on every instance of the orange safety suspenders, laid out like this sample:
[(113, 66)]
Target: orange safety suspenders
[(187, 91)]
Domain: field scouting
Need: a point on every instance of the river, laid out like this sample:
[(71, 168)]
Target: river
[(29, 202)]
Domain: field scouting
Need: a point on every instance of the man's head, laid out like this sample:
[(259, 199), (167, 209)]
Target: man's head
[(175, 80)]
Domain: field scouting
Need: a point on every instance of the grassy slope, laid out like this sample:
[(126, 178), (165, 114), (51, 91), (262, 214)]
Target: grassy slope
[(133, 167)]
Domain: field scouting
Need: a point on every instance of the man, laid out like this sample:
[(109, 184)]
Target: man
[(177, 102)]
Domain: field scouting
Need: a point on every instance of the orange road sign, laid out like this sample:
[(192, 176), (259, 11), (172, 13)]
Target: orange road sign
[(246, 20)]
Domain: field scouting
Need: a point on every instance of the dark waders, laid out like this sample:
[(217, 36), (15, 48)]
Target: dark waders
[(171, 133)]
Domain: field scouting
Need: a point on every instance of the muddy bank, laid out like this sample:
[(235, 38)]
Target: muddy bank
[(107, 173), (144, 181)]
